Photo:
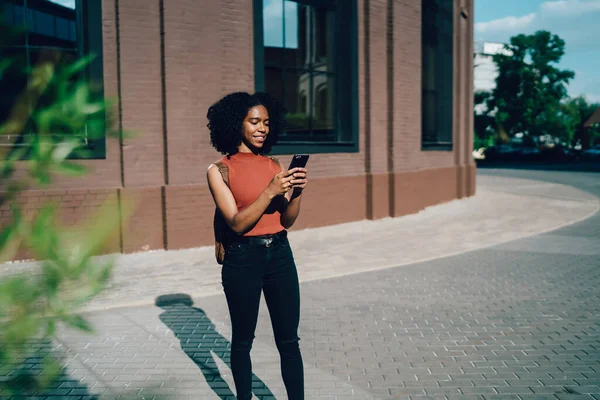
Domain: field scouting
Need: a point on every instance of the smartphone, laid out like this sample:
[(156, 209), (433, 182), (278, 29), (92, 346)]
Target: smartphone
[(298, 161)]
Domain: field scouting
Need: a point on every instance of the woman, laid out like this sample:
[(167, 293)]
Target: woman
[(259, 202)]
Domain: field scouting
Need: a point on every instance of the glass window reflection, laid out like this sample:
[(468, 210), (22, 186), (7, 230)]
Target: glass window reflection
[(299, 53)]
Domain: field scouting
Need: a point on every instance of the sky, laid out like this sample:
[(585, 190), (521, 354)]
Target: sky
[(66, 3), (577, 22), (273, 23)]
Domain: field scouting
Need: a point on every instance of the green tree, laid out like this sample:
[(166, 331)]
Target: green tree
[(530, 87), (576, 112), (484, 122), (56, 103)]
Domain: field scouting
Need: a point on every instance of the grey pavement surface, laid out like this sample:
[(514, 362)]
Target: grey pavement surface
[(504, 209), (496, 296)]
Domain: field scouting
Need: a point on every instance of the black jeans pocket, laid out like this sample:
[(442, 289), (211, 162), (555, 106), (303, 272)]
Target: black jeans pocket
[(236, 249)]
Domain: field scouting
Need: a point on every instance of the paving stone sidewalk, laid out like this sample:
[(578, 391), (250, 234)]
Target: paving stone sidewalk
[(503, 209), (515, 319)]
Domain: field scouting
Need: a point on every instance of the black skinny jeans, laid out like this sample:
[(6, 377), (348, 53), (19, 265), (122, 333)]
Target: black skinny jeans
[(248, 270)]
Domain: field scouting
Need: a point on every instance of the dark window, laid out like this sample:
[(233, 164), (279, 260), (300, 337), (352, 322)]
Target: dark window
[(306, 56), (437, 71), (57, 30)]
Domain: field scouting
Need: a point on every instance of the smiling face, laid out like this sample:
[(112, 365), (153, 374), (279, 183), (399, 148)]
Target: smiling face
[(255, 129)]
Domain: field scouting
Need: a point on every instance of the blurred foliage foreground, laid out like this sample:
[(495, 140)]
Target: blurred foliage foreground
[(46, 118)]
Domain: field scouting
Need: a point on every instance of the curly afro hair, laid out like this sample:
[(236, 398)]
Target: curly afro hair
[(226, 116)]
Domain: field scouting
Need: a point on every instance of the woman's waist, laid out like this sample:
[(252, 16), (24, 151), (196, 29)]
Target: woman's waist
[(267, 239), (268, 224)]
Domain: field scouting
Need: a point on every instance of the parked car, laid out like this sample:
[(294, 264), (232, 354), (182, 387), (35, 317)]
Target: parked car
[(510, 152), (592, 153), (501, 152), (529, 152), (558, 153)]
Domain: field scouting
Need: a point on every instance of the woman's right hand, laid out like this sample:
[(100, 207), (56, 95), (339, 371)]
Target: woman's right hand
[(280, 185)]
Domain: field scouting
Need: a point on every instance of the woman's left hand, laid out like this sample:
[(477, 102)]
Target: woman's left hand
[(299, 180)]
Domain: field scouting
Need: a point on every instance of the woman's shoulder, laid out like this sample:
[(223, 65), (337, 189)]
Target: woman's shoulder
[(218, 162), (218, 168), (221, 165)]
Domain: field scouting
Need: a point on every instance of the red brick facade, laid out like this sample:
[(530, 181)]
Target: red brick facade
[(208, 52)]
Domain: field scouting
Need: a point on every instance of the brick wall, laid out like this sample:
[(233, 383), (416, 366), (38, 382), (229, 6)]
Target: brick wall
[(167, 80), (76, 211)]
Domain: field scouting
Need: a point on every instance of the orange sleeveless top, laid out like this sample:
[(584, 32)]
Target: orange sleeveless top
[(249, 176)]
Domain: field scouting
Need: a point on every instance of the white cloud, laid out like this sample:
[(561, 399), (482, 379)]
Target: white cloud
[(507, 23), (575, 21), (556, 15), (593, 98), (569, 7)]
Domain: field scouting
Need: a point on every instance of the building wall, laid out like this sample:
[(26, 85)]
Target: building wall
[(486, 71), (207, 51)]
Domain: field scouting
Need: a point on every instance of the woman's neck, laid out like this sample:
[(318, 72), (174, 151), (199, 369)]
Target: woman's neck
[(243, 148)]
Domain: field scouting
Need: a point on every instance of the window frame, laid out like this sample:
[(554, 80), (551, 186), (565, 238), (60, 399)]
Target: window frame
[(442, 142), (89, 23), (347, 75)]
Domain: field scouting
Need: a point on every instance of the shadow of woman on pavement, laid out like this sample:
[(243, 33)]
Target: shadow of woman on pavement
[(199, 339)]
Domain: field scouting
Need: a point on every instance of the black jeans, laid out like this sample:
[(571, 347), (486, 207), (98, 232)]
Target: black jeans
[(250, 268)]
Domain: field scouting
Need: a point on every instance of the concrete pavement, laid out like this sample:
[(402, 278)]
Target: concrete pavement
[(503, 209), (463, 300)]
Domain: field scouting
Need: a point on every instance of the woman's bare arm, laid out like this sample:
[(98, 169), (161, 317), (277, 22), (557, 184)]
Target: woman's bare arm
[(243, 221)]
